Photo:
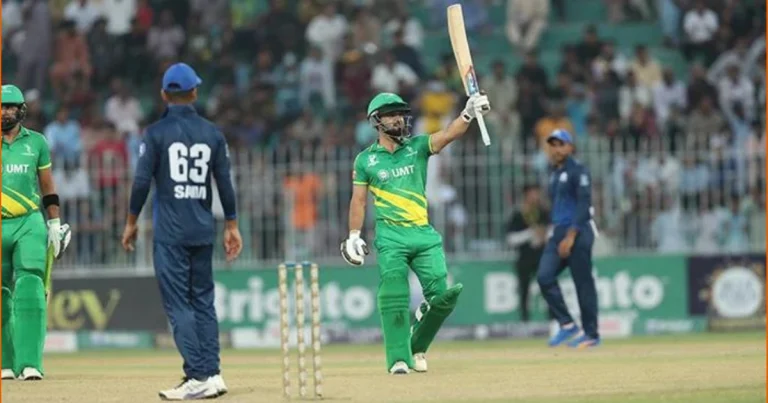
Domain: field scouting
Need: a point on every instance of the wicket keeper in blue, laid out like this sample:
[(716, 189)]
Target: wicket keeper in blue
[(570, 245), (182, 153)]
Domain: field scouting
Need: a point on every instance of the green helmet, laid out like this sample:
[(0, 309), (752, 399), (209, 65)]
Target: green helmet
[(385, 103), (12, 95)]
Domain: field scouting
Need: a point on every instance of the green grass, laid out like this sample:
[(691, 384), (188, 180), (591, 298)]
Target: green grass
[(707, 368)]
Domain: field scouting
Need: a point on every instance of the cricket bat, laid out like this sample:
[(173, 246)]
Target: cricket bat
[(460, 47)]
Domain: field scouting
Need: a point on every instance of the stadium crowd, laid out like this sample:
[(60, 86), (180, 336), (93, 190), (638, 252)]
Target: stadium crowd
[(678, 160)]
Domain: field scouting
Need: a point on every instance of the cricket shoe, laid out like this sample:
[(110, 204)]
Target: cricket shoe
[(584, 341), (191, 389), (8, 374), (420, 362), (30, 374), (564, 335), (400, 368), (218, 383)]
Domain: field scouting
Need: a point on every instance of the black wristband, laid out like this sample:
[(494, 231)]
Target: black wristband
[(50, 200)]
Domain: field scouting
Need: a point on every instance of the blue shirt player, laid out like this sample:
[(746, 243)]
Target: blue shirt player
[(182, 153), (570, 245)]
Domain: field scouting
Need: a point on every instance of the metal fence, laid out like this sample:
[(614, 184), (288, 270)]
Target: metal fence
[(664, 194)]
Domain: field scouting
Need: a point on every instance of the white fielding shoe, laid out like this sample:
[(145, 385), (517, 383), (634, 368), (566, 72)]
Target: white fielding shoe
[(400, 368), (30, 374), (420, 362), (8, 374), (218, 383), (191, 389)]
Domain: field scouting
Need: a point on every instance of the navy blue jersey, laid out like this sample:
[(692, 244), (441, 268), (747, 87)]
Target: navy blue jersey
[(570, 189), (182, 153)]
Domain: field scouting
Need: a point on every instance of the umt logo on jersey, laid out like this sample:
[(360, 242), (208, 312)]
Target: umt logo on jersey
[(396, 172), (15, 168)]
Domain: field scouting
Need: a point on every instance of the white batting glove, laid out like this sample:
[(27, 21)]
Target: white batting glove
[(354, 249), (59, 236), (477, 104)]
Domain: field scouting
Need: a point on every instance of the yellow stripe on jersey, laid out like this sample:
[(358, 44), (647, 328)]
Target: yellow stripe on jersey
[(46, 166), (416, 195), (13, 207), (410, 210), (30, 204)]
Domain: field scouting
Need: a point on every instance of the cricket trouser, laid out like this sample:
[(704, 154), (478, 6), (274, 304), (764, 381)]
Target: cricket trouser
[(24, 309), (185, 277), (580, 263), (420, 249)]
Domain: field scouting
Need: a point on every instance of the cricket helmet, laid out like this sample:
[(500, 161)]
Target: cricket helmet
[(12, 95), (387, 103)]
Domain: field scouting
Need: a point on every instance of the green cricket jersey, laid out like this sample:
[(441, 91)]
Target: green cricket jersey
[(22, 159), (397, 180)]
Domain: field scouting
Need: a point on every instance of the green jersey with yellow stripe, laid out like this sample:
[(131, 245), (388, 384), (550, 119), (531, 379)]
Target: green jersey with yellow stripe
[(22, 159), (397, 180)]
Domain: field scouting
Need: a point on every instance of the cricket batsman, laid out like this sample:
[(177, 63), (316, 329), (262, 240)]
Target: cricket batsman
[(29, 242), (394, 170), (570, 244), (183, 153)]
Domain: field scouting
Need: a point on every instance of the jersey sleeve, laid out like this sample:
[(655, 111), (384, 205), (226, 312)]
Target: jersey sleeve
[(44, 157), (359, 176), (221, 171), (424, 144)]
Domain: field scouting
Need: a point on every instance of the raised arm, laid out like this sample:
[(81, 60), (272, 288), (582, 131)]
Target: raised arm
[(475, 104)]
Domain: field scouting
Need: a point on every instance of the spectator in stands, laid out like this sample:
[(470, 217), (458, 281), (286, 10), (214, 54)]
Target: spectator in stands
[(669, 19), (632, 93), (63, 135), (669, 93), (36, 119), (406, 54), (502, 91), (119, 14), (287, 80), (578, 107), (365, 29), (327, 31), (668, 230), (609, 61), (736, 55), (316, 78), (215, 13), (307, 130), (736, 88), (35, 50), (704, 123), (736, 228), (302, 191), (134, 63), (165, 41), (78, 94), (533, 72), (710, 223), (355, 79), (393, 76), (699, 86), (436, 106), (145, 16), (104, 50), (701, 26), (526, 20), (122, 106), (572, 66), (555, 119), (646, 69), (531, 106), (108, 160), (590, 46), (263, 70), (641, 125), (71, 57), (281, 29), (84, 13), (413, 33), (607, 96)]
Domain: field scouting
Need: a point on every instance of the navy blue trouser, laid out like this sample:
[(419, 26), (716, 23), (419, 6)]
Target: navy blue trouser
[(580, 263), (185, 277)]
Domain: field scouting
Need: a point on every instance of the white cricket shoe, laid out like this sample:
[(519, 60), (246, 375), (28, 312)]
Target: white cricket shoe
[(420, 362), (218, 383), (8, 374), (400, 368), (191, 389), (30, 374)]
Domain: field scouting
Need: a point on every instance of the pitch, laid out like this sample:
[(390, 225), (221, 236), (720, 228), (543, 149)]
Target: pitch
[(705, 368)]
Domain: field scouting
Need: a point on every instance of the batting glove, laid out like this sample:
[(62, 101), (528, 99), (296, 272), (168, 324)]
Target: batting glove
[(476, 104), (354, 249), (59, 236)]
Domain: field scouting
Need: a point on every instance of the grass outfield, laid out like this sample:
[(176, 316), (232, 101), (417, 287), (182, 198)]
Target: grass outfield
[(707, 368)]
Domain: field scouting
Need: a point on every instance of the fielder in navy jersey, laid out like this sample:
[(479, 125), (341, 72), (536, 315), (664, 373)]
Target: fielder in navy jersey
[(570, 245), (182, 153)]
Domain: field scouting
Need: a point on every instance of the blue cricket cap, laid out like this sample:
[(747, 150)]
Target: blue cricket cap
[(180, 77), (561, 135)]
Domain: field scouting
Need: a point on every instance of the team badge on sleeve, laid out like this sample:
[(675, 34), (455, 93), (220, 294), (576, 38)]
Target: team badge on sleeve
[(584, 181), (142, 149)]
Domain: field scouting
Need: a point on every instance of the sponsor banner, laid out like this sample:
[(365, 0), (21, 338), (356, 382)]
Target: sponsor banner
[(60, 342), (671, 326), (114, 340), (630, 292), (728, 290), (106, 304)]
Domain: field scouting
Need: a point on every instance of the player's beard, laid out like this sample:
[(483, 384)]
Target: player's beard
[(400, 131), (9, 124)]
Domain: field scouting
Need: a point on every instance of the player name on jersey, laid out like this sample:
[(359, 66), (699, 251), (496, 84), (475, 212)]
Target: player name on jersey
[(190, 192)]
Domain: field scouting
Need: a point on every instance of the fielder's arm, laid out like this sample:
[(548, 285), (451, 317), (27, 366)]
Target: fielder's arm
[(456, 129), (47, 187), (357, 207)]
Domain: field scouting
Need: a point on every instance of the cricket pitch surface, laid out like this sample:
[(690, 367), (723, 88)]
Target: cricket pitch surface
[(706, 368)]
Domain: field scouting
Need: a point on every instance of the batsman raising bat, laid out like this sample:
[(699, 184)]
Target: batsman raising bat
[(29, 243), (394, 169)]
